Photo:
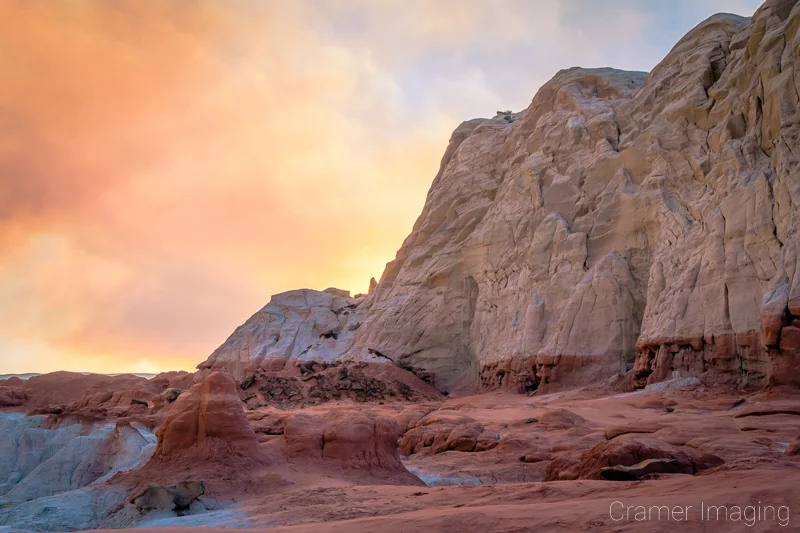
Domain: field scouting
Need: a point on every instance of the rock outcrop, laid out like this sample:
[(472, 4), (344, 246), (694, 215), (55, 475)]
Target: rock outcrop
[(623, 222), (38, 461), (626, 458), (311, 382), (301, 324), (12, 397), (355, 444), (168, 497), (207, 416)]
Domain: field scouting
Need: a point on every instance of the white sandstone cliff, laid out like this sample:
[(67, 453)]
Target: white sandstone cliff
[(623, 223)]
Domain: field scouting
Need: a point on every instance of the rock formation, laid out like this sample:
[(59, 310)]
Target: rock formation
[(168, 497), (354, 444), (624, 224), (296, 325), (206, 416), (38, 461), (311, 382)]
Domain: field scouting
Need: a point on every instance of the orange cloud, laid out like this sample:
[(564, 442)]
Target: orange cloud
[(166, 167)]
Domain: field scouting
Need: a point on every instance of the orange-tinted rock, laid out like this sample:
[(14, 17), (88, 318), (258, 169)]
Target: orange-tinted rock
[(464, 438), (304, 437), (411, 416), (209, 412), (355, 439), (12, 397), (487, 441), (790, 339), (649, 426), (561, 419), (345, 441), (627, 452), (793, 449)]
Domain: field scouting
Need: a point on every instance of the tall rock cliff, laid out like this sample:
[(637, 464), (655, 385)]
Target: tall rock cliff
[(625, 223)]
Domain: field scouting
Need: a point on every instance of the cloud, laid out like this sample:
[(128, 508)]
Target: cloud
[(167, 166)]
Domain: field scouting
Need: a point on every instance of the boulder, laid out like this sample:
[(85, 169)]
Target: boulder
[(487, 440), (411, 416), (627, 451), (793, 449), (170, 395), (168, 497), (12, 397), (464, 438), (645, 468), (560, 419)]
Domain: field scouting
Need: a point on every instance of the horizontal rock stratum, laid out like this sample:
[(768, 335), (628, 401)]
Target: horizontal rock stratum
[(624, 224)]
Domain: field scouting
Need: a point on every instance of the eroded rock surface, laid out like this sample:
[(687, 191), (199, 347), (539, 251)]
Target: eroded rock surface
[(37, 460), (208, 415), (302, 324), (623, 222)]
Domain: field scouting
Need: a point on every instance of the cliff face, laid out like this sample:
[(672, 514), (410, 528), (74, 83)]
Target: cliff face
[(623, 224)]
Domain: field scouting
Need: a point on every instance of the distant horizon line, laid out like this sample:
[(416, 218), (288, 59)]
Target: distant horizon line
[(26, 375)]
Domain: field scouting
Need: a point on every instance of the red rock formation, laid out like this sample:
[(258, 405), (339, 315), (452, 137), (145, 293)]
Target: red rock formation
[(12, 397), (352, 443), (208, 414), (627, 451)]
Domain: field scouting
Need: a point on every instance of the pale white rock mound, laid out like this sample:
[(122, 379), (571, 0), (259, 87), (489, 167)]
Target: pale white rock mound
[(53, 478), (296, 325), (37, 461), (623, 223)]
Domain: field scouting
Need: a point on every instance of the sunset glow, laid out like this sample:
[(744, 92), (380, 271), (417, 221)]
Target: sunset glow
[(166, 167)]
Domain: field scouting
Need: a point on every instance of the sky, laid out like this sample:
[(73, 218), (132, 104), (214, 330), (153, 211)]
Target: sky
[(167, 166)]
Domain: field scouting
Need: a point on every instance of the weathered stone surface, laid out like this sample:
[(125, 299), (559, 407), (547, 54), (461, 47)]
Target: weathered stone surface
[(208, 414), (37, 461), (487, 440), (621, 222), (629, 452), (12, 397), (301, 324), (624, 223), (646, 467), (346, 440), (170, 395), (793, 449), (560, 419), (168, 497), (651, 426)]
